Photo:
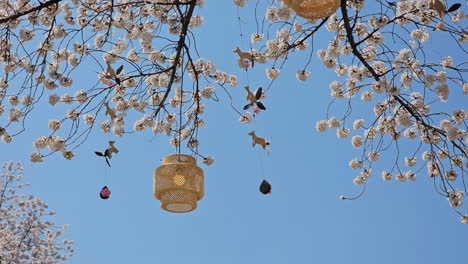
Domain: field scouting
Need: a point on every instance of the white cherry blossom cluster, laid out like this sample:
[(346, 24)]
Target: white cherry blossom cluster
[(133, 98), (27, 233), (386, 60)]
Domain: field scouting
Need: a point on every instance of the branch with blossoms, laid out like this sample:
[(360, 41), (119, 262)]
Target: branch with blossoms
[(28, 236), (379, 51), (144, 81)]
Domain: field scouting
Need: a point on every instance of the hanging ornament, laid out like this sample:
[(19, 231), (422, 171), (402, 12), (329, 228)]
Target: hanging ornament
[(258, 140), (265, 187), (104, 193), (108, 152), (179, 183), (313, 9)]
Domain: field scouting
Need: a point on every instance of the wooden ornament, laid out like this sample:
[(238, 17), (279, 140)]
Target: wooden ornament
[(258, 140), (254, 98), (110, 111), (110, 71), (245, 55), (108, 152), (439, 7), (111, 149)]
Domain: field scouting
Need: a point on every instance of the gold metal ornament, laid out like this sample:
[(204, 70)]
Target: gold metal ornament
[(179, 183)]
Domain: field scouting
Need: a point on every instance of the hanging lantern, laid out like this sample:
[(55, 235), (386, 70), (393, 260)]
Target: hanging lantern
[(313, 9), (178, 183)]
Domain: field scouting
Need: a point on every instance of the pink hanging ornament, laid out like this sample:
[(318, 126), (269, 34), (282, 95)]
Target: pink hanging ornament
[(105, 193)]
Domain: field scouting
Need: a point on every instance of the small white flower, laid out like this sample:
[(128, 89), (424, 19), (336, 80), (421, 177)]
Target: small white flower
[(447, 62), (68, 154), (359, 180), (356, 141), (7, 138), (36, 157), (256, 37), (105, 126), (410, 176), (302, 75), (13, 99), (374, 156), (272, 73), (40, 142), (459, 116), (321, 125), (208, 160), (464, 219), (54, 124), (357, 124), (366, 173), (89, 119), (118, 130), (72, 114), (410, 162), (342, 133), (355, 164), (386, 176), (81, 96), (333, 123), (451, 175), (400, 177), (54, 99), (367, 96)]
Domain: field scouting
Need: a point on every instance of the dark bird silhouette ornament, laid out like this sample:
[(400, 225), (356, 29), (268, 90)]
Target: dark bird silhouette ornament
[(105, 193), (265, 187), (108, 152), (113, 74), (254, 98)]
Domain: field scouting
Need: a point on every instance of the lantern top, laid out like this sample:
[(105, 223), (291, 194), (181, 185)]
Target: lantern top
[(179, 159)]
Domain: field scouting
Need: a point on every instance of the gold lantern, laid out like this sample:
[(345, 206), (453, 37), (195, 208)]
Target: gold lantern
[(313, 9), (178, 183)]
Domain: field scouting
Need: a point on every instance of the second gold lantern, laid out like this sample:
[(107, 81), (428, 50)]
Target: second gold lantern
[(313, 9)]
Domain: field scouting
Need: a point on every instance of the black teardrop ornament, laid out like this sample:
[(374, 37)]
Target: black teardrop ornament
[(265, 187), (104, 193)]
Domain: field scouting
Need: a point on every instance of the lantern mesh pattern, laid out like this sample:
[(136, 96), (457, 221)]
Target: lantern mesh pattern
[(178, 183), (313, 9)]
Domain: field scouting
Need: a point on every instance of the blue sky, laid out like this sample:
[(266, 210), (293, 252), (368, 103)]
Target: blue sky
[(302, 221)]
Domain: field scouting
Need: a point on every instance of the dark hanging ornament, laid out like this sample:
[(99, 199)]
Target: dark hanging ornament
[(265, 187), (104, 193)]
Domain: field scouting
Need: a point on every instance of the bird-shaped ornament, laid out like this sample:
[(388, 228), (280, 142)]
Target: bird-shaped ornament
[(113, 74), (108, 152), (254, 98)]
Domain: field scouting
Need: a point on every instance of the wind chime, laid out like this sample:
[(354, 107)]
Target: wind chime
[(313, 9), (179, 183), (107, 155)]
